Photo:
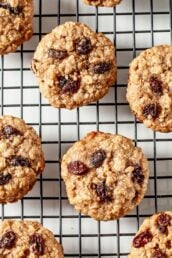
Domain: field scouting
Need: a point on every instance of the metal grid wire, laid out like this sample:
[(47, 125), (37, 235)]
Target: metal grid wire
[(47, 202)]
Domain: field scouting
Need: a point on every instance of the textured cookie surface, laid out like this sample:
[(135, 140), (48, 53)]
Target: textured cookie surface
[(150, 88), (105, 175), (15, 23), (108, 3), (21, 158), (74, 65), (154, 239), (26, 239)]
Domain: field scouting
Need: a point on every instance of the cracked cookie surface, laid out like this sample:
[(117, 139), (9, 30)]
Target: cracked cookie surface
[(149, 91), (154, 238), (15, 24), (107, 3), (21, 158), (21, 239), (74, 65), (106, 176)]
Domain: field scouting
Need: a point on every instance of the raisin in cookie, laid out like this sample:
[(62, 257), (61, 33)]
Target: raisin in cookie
[(74, 65), (108, 3), (154, 239), (15, 24), (21, 239), (105, 175), (150, 88), (21, 158)]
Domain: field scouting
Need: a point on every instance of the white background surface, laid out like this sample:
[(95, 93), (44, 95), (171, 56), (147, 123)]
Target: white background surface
[(20, 97)]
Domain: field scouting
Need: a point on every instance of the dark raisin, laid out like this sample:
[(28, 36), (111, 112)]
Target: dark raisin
[(26, 253), (142, 239), (103, 192), (97, 158), (8, 130), (137, 174), (83, 46), (19, 161), (62, 81), (163, 229), (158, 254), (37, 244), (57, 54), (77, 168), (93, 186), (156, 85), (7, 240), (13, 10), (169, 244), (4, 178), (101, 68), (68, 85), (163, 221), (152, 109)]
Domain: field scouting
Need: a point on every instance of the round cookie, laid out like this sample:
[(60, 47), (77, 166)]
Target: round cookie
[(74, 65), (107, 3), (21, 158), (149, 91), (106, 176), (21, 239), (154, 239), (15, 24)]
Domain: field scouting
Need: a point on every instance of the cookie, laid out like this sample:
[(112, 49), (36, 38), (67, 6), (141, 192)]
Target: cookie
[(15, 24), (107, 3), (154, 239), (149, 91), (21, 239), (21, 158), (106, 176), (74, 65)]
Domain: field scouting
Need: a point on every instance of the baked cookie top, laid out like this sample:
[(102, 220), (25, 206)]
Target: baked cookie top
[(107, 3), (21, 158), (154, 239), (149, 91), (74, 65), (106, 176), (21, 239), (15, 24)]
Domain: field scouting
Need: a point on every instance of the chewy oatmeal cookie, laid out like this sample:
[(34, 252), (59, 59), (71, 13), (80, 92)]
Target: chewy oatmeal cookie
[(21, 239), (107, 3), (15, 24), (149, 90), (74, 65), (154, 239), (106, 176), (21, 158)]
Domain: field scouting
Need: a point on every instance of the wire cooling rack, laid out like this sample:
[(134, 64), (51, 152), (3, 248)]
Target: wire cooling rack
[(133, 26)]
